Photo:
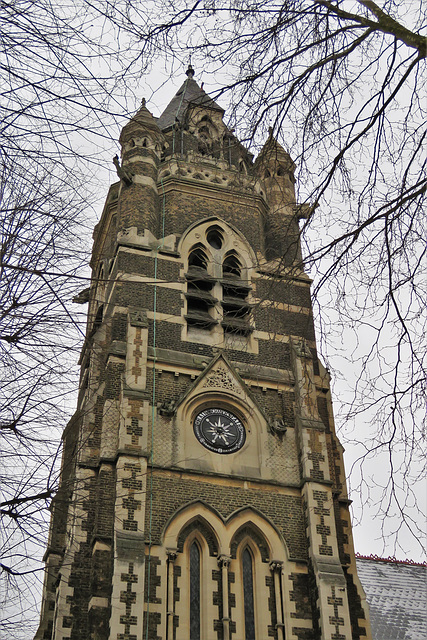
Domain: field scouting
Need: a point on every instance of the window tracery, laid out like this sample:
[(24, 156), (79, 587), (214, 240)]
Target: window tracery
[(217, 286)]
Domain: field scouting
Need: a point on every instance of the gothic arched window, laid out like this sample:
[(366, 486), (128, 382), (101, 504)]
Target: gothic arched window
[(194, 591), (200, 302), (235, 306), (198, 259), (231, 266), (248, 594)]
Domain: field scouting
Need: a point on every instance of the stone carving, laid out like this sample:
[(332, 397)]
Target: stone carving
[(221, 378), (171, 554), (302, 349), (167, 408), (276, 565), (277, 426), (123, 173), (139, 319), (223, 561)]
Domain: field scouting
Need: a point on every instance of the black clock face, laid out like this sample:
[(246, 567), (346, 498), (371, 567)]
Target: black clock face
[(219, 430)]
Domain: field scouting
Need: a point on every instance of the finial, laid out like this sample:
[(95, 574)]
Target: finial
[(270, 131), (190, 71), (143, 102)]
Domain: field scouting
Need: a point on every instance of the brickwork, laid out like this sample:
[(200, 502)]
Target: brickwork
[(276, 404), (278, 321), (119, 326), (271, 354), (169, 493), (80, 573), (272, 628), (356, 610), (167, 270), (283, 292), (140, 294), (258, 539), (182, 210), (198, 525)]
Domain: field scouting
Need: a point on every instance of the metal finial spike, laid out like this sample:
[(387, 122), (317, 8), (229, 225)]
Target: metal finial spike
[(143, 102), (190, 71)]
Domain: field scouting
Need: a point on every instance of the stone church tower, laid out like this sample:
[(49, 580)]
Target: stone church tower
[(202, 494)]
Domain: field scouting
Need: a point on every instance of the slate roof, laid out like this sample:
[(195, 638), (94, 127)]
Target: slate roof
[(397, 596), (189, 92)]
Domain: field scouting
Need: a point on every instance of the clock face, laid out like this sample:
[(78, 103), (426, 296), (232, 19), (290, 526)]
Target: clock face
[(219, 430)]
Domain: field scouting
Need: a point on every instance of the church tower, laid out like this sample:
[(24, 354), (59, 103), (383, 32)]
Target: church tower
[(203, 494)]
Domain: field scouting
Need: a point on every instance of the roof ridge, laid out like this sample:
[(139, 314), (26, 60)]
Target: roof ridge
[(391, 559)]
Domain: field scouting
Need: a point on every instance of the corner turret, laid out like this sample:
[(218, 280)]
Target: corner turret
[(142, 142), (275, 168)]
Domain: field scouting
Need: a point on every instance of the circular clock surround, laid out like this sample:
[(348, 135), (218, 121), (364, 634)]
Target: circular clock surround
[(219, 430)]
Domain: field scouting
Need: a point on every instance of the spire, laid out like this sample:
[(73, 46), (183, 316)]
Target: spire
[(142, 121), (189, 93), (273, 153)]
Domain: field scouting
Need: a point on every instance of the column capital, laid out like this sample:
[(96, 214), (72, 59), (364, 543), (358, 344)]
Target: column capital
[(223, 560), (276, 566), (172, 554)]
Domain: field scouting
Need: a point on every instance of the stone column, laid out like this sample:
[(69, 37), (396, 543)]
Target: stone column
[(170, 607), (276, 567), (224, 563)]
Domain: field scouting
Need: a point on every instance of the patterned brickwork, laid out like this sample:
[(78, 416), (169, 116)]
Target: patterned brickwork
[(300, 595), (320, 497), (218, 602), (128, 597), (131, 486), (80, 574), (315, 455), (337, 620), (272, 628)]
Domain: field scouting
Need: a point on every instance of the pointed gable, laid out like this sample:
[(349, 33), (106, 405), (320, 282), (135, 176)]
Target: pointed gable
[(220, 376)]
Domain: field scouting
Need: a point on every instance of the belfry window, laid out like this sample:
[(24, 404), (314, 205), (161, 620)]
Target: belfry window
[(235, 305), (197, 259), (231, 267), (200, 301), (194, 592), (217, 293)]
